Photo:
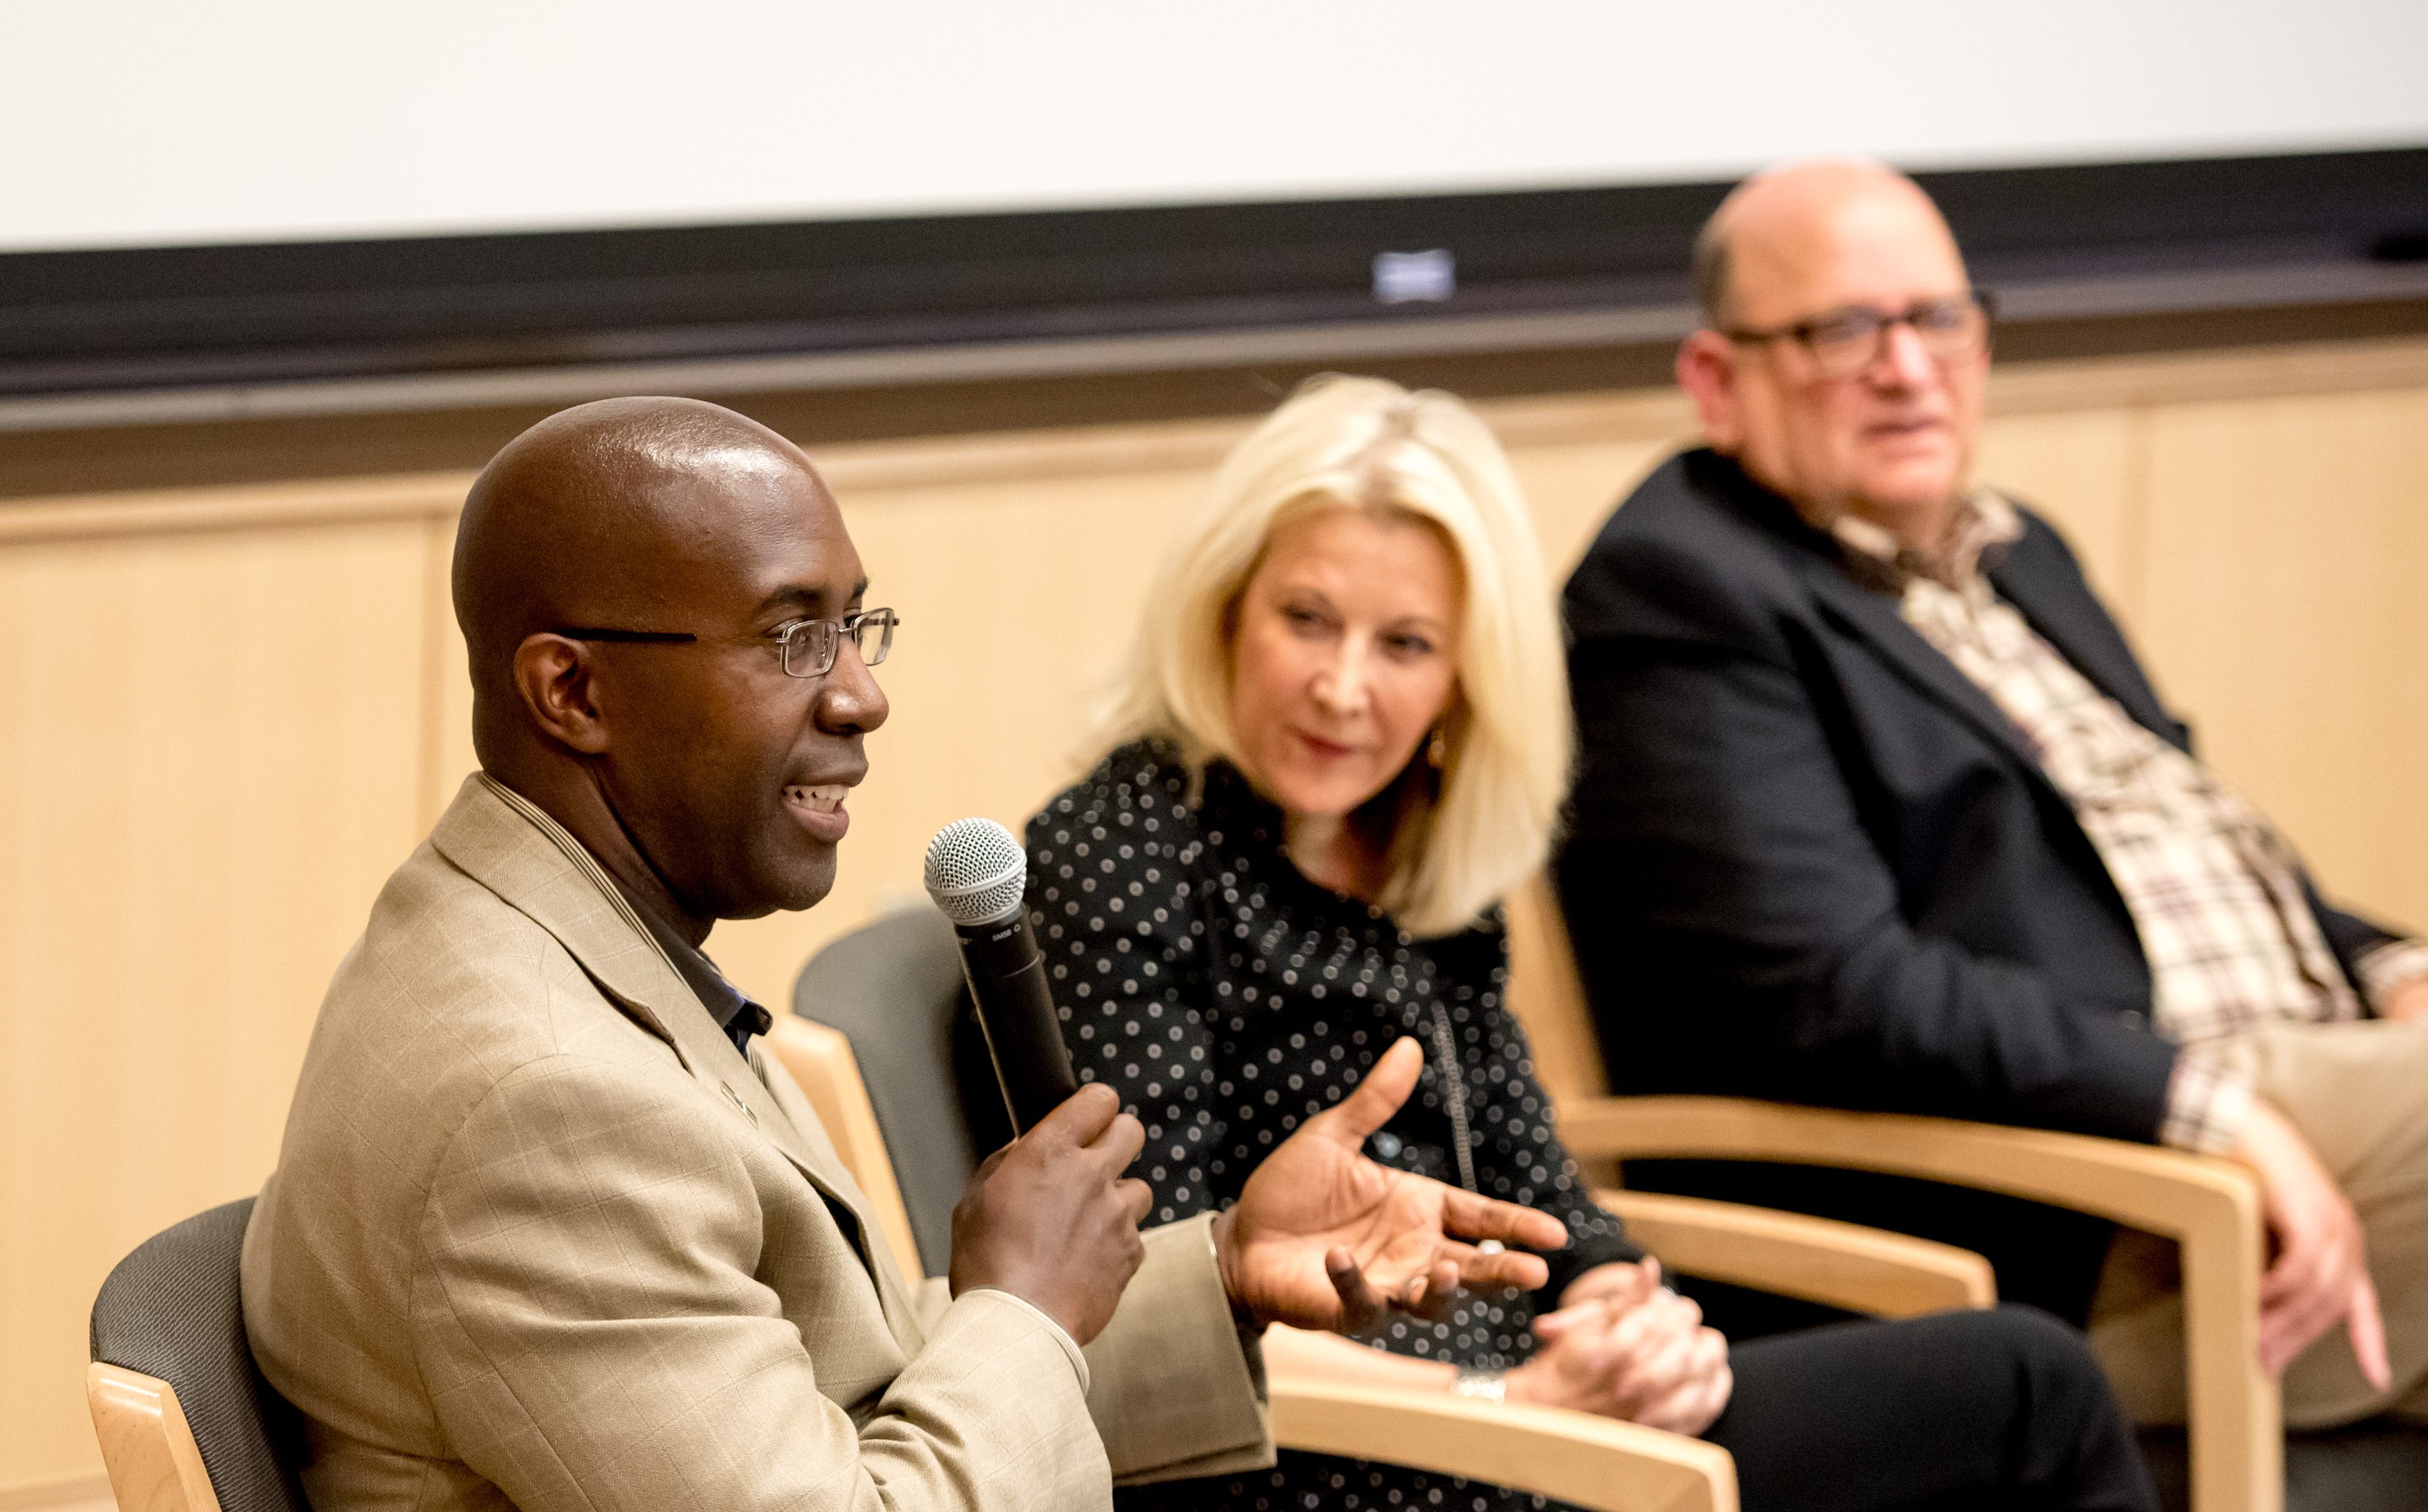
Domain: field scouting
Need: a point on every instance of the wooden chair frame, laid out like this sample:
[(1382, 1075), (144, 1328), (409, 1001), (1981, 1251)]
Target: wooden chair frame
[(2209, 1207), (1575, 1457), (1839, 1264), (1572, 1456), (146, 1444)]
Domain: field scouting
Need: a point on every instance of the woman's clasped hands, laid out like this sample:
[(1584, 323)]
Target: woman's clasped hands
[(1626, 1346)]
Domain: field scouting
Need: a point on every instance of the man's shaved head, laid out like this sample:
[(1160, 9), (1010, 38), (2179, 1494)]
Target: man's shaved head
[(574, 521), (1892, 442), (688, 762), (1773, 218)]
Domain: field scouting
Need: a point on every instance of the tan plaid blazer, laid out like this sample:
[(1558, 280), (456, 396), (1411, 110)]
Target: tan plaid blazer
[(539, 1236)]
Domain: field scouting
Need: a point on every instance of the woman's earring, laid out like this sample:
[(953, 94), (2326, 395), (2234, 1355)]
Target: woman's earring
[(1437, 749)]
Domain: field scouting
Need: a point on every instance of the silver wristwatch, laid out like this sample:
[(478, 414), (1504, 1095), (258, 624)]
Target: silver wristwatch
[(1481, 1385)]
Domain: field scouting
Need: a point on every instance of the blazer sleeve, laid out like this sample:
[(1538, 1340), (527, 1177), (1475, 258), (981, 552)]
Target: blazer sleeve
[(594, 1339), (2349, 935), (1176, 1385), (1739, 930)]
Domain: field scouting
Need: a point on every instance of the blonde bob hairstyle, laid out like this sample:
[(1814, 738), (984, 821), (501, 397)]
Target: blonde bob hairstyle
[(1484, 823)]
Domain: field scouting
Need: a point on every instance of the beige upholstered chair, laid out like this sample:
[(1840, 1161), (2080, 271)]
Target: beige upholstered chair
[(2209, 1207), (895, 985)]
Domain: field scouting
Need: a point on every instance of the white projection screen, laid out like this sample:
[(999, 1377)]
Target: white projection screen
[(157, 123)]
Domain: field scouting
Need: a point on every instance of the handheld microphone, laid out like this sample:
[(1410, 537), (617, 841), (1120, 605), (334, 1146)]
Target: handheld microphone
[(979, 874)]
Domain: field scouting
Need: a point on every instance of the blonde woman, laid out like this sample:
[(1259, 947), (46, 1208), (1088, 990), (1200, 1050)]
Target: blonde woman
[(1344, 737)]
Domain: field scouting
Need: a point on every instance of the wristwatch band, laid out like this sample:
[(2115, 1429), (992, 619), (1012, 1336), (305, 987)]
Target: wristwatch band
[(1481, 1385)]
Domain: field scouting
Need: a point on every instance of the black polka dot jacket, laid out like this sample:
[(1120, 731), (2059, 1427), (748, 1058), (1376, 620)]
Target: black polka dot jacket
[(1226, 997)]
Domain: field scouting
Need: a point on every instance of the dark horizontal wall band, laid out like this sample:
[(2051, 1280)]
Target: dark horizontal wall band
[(78, 451), (93, 322)]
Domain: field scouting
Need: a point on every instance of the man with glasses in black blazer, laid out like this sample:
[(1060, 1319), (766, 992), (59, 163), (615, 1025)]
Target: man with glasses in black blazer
[(1876, 809)]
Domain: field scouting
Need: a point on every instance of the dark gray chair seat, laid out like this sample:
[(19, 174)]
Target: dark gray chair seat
[(894, 988), (172, 1310)]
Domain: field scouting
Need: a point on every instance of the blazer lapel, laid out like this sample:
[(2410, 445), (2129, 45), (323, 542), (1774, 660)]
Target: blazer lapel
[(511, 846), (1815, 556), (2062, 610), (1873, 618)]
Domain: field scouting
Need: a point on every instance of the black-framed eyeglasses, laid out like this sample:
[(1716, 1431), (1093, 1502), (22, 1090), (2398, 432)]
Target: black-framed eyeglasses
[(1955, 329), (809, 647)]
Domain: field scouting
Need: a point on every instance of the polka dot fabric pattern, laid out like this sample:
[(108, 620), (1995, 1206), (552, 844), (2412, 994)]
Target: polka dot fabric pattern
[(1228, 999)]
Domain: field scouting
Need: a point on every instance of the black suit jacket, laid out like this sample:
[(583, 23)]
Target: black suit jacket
[(1811, 861)]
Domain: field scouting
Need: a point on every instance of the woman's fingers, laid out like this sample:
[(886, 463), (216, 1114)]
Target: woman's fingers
[(1695, 1405), (1711, 1398), (1627, 1281), (1632, 1337), (1677, 1376), (1551, 1327), (1574, 1320), (1709, 1356), (1659, 1352), (1652, 1362), (1660, 1365)]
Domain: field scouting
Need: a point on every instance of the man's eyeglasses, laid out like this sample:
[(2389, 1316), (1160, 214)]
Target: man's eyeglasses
[(809, 647), (1845, 342)]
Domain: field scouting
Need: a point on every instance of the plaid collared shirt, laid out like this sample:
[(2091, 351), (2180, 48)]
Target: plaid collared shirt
[(2215, 892)]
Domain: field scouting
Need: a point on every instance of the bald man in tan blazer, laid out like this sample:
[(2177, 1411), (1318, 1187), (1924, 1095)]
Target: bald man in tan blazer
[(543, 1235), (539, 1234)]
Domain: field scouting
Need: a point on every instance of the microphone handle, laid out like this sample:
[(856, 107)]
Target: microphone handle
[(1007, 976)]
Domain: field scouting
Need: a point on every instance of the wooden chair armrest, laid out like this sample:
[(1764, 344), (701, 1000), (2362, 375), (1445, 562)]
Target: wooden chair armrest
[(2161, 1190), (154, 1463), (1819, 1260), (1572, 1456), (2209, 1207)]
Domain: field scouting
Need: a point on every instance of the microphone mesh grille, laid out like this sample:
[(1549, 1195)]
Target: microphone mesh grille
[(976, 871)]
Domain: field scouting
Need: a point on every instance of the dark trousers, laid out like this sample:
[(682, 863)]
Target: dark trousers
[(1974, 1410)]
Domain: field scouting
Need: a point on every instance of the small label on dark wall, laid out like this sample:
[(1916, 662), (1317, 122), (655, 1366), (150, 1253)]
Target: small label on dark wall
[(1406, 277)]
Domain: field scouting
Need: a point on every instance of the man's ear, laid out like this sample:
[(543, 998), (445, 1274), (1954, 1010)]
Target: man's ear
[(552, 679), (1707, 370)]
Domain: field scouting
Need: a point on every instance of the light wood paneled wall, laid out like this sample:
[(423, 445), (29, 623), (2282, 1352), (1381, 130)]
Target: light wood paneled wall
[(209, 757), (2286, 593), (229, 713)]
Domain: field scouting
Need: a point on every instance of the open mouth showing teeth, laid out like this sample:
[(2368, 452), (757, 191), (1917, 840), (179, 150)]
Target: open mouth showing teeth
[(820, 800)]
